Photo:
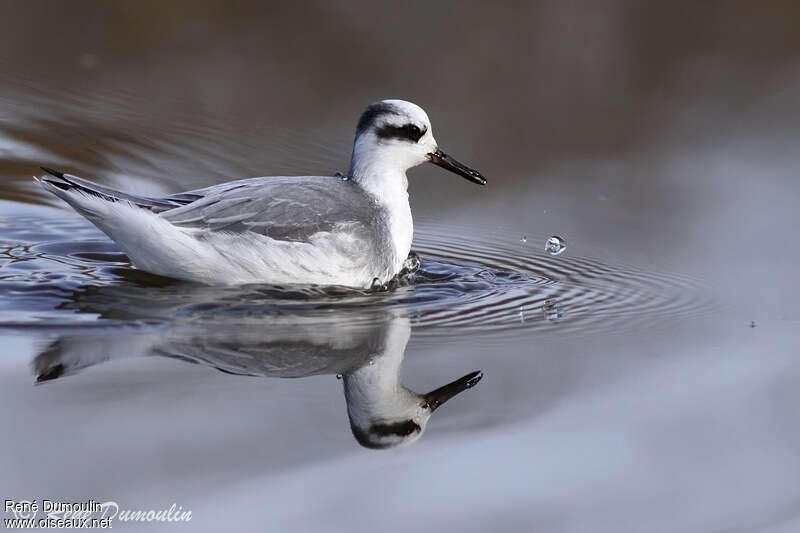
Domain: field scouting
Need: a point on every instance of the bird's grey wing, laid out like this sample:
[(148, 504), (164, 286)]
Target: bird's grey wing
[(283, 208)]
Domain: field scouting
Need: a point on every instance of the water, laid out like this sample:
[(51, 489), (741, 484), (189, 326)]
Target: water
[(57, 271), (648, 380)]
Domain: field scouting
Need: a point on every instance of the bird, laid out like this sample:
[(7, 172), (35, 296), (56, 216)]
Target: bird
[(352, 230)]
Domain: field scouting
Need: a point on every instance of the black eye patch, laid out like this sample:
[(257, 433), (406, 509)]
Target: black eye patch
[(407, 132), (399, 429)]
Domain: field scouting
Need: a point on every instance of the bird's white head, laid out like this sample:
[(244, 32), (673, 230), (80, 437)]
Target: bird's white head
[(385, 417), (393, 136), (383, 413)]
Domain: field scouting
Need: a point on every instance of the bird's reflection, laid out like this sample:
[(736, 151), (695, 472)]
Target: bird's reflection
[(365, 347)]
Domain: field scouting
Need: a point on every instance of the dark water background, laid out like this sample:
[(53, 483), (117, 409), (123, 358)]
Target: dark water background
[(645, 380)]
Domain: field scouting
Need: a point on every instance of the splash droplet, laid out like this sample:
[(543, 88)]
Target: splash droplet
[(552, 311), (338, 376), (555, 245)]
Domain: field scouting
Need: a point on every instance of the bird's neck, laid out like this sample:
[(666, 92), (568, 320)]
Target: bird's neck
[(374, 390), (383, 178), (385, 181)]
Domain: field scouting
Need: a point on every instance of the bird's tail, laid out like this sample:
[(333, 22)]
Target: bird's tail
[(70, 354), (66, 185), (133, 222)]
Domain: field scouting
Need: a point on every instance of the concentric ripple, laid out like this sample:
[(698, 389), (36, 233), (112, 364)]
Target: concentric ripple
[(62, 273), (501, 285)]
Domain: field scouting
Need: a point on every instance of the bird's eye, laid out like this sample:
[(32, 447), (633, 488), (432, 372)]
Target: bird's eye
[(406, 132), (414, 132)]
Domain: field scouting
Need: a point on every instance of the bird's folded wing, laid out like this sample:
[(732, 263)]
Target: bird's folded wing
[(283, 208)]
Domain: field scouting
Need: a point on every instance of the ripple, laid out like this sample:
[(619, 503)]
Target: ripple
[(501, 285), (56, 273)]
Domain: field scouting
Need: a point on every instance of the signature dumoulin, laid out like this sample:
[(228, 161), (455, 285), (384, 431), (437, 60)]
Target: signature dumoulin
[(84, 514)]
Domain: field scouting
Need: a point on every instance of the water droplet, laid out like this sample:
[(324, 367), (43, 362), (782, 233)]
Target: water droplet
[(555, 245), (411, 264), (338, 376), (524, 238), (552, 311), (371, 362)]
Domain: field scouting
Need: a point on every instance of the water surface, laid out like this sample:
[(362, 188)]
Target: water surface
[(644, 379)]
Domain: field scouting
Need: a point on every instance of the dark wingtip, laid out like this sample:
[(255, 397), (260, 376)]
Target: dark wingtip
[(52, 172), (54, 372)]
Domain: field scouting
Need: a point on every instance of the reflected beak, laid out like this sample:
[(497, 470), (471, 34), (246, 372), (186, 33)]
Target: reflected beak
[(443, 160), (437, 397)]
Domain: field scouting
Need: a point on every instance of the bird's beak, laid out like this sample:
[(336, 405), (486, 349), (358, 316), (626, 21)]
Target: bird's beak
[(443, 160), (437, 397)]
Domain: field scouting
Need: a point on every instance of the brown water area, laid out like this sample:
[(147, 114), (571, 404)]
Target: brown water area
[(645, 379)]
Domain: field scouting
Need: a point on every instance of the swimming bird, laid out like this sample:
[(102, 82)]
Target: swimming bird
[(352, 230)]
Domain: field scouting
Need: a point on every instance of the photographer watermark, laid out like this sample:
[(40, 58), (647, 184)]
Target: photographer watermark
[(24, 514)]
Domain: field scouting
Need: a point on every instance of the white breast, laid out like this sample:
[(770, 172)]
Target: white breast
[(401, 227), (389, 187)]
